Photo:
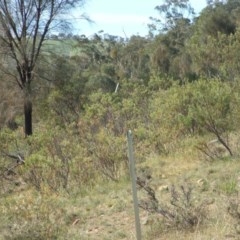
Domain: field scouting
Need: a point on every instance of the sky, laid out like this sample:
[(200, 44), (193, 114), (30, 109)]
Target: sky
[(120, 17)]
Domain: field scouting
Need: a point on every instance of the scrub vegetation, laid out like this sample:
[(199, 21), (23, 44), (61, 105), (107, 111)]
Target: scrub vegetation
[(177, 90)]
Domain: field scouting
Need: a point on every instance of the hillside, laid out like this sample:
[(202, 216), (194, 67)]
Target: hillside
[(177, 90)]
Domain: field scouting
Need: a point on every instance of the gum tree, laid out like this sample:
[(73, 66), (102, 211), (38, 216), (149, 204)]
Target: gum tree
[(24, 26), (172, 28)]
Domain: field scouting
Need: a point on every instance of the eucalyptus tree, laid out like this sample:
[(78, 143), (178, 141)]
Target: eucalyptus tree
[(219, 17), (171, 30), (172, 13), (214, 44), (24, 27)]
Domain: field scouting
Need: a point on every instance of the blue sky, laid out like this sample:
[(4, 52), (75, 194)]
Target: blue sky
[(120, 17)]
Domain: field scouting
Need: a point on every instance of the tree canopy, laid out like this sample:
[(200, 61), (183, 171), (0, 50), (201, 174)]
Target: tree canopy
[(24, 26)]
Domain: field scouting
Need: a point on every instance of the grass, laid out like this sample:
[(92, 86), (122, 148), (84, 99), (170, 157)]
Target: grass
[(105, 211)]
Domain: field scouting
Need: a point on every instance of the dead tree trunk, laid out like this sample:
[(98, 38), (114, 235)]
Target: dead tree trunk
[(28, 116)]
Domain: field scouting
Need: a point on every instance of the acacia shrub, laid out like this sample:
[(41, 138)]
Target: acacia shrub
[(201, 107), (213, 109), (54, 158)]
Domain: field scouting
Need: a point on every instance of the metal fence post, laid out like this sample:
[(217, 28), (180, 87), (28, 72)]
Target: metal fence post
[(134, 185)]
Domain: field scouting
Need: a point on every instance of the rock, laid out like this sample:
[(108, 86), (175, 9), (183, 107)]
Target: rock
[(163, 188)]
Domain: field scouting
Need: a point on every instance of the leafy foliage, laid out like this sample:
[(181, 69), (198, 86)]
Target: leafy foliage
[(177, 86)]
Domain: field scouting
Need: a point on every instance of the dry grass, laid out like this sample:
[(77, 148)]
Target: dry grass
[(10, 103), (106, 211)]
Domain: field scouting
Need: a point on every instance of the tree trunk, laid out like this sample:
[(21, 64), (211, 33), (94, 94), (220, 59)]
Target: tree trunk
[(28, 116)]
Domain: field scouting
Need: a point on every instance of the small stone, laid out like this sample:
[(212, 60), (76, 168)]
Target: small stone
[(163, 188)]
